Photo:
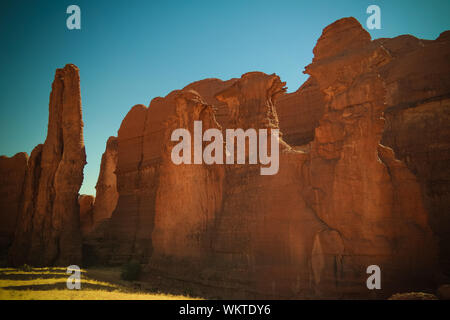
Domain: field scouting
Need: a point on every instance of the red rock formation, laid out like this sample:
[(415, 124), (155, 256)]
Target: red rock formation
[(207, 89), (124, 222), (265, 231), (299, 113), (48, 231), (107, 195), (339, 204), (418, 122), (97, 247), (316, 226), (358, 188), (188, 196), (86, 203), (140, 141), (238, 228), (12, 175), (363, 174)]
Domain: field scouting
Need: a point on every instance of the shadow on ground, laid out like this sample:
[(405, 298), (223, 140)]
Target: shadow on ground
[(57, 286), (13, 279)]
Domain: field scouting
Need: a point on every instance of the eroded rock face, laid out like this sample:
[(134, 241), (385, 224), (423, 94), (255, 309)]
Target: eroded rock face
[(207, 89), (226, 225), (106, 195), (97, 245), (350, 192), (315, 227), (140, 141), (363, 178), (125, 219), (12, 175), (188, 196), (86, 203), (358, 188), (264, 232), (299, 113), (418, 122), (48, 229)]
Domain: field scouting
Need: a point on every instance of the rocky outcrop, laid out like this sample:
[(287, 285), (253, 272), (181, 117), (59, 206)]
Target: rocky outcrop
[(362, 180), (315, 227), (418, 122), (12, 175), (265, 231), (106, 188), (207, 88), (299, 113), (48, 228), (226, 225), (292, 234), (125, 218), (86, 203), (140, 141), (358, 188), (97, 247), (188, 196), (344, 198)]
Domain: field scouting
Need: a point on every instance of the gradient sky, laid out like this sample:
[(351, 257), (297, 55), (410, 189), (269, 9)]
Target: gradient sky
[(130, 52)]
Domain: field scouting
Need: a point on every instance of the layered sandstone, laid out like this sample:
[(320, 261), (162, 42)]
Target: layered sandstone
[(218, 224), (188, 196), (207, 89), (140, 141), (418, 122), (358, 187), (363, 178), (265, 231), (228, 226), (48, 228), (12, 175), (106, 187), (86, 203), (299, 113), (125, 218), (315, 227), (341, 201)]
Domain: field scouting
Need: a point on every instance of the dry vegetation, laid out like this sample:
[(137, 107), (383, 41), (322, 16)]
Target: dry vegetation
[(50, 284)]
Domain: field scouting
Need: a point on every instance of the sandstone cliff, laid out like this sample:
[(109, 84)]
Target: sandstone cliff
[(48, 228), (299, 113), (188, 196), (86, 203), (418, 122), (12, 175), (347, 195), (330, 213), (363, 178), (357, 187), (107, 195)]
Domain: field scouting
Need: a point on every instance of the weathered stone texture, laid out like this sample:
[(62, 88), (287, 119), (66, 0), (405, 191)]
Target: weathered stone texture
[(48, 231), (106, 188), (12, 175)]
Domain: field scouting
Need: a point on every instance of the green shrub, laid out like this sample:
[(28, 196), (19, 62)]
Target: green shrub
[(26, 268), (131, 271)]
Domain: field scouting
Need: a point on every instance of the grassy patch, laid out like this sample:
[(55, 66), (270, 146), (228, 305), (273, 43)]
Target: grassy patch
[(50, 284)]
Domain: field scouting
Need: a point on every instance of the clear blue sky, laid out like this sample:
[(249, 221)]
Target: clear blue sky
[(131, 51)]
